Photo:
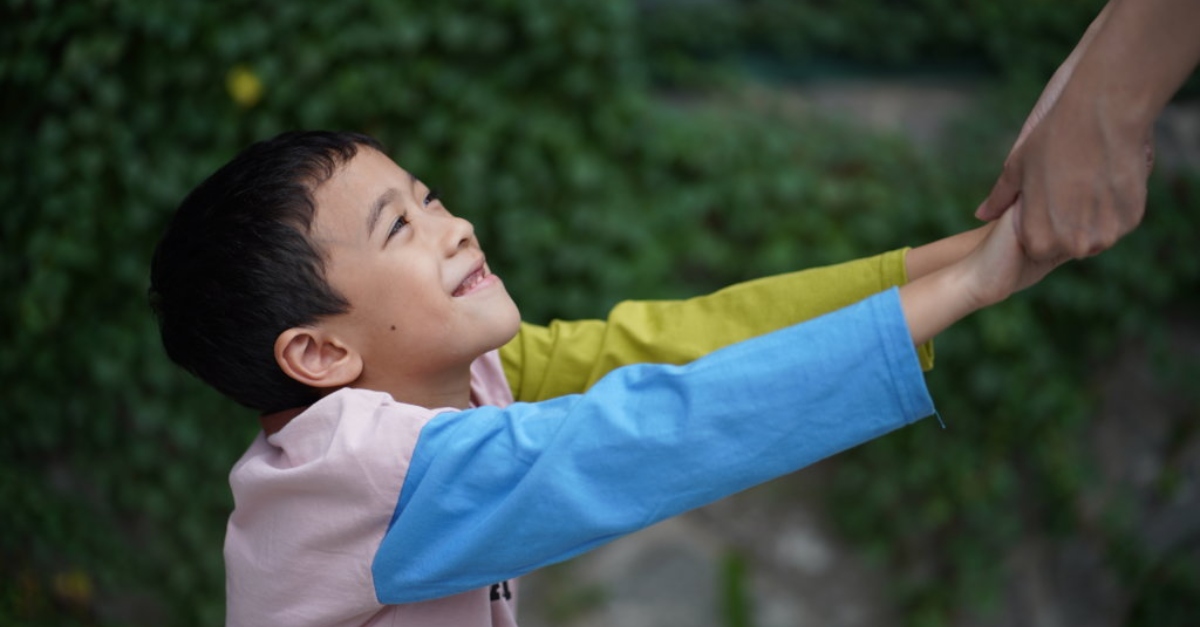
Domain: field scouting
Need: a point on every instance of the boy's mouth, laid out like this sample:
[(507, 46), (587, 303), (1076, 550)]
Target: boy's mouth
[(479, 275)]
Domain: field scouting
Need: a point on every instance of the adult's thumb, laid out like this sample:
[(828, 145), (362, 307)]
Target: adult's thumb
[(1004, 193)]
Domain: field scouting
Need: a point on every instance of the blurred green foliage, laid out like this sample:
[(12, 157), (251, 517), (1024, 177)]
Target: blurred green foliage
[(684, 39), (538, 120)]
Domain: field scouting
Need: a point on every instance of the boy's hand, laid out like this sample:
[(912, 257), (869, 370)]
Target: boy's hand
[(999, 266)]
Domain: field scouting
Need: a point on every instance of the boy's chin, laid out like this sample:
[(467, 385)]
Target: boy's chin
[(514, 326)]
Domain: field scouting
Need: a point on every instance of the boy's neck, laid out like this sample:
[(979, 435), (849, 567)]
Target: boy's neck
[(452, 393), (446, 389)]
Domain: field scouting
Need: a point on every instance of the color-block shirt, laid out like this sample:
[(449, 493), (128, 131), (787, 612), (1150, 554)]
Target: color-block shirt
[(366, 511)]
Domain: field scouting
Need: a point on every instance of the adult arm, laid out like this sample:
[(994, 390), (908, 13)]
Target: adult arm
[(1078, 171)]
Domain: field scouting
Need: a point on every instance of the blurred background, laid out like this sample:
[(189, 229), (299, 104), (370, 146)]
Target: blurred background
[(611, 150)]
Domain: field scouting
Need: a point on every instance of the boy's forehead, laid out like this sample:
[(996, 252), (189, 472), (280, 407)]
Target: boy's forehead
[(358, 185), (367, 171)]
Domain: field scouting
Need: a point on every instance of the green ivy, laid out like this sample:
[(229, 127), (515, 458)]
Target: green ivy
[(538, 120), (684, 37)]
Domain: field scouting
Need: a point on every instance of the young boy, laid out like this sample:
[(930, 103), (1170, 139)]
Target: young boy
[(402, 479)]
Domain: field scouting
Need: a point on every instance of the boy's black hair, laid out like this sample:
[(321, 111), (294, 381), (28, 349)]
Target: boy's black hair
[(235, 267)]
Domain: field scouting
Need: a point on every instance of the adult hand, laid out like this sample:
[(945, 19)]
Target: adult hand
[(1079, 178), (1063, 169), (1080, 166)]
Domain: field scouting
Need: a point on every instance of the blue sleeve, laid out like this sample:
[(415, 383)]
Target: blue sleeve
[(494, 493)]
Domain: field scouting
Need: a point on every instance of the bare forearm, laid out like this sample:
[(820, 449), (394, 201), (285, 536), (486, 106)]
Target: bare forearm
[(935, 301), (929, 258), (1141, 53), (937, 295)]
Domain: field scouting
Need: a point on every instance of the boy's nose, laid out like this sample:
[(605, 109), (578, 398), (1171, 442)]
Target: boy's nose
[(458, 235)]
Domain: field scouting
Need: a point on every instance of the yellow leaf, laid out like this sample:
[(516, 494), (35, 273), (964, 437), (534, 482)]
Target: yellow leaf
[(244, 86), (74, 586)]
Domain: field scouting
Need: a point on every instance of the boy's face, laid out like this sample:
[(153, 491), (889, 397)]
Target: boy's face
[(423, 303)]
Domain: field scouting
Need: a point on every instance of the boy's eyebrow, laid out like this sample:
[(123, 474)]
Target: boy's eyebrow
[(377, 208), (386, 197)]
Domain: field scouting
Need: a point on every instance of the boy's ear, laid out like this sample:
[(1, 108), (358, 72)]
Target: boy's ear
[(317, 358)]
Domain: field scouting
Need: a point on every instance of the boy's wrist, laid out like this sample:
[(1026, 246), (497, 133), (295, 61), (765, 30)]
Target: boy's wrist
[(976, 284), (938, 300)]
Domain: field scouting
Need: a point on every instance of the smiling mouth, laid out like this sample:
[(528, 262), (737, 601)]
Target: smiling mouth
[(473, 279)]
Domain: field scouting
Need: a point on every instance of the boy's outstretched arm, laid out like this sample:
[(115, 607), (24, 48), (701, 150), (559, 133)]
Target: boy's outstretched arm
[(568, 357), (560, 477)]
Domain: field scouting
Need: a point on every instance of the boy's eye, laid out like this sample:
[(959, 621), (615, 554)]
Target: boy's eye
[(431, 197), (401, 221)]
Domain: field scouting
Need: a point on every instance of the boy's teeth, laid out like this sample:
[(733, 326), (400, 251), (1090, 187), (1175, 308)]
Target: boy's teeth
[(468, 283)]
